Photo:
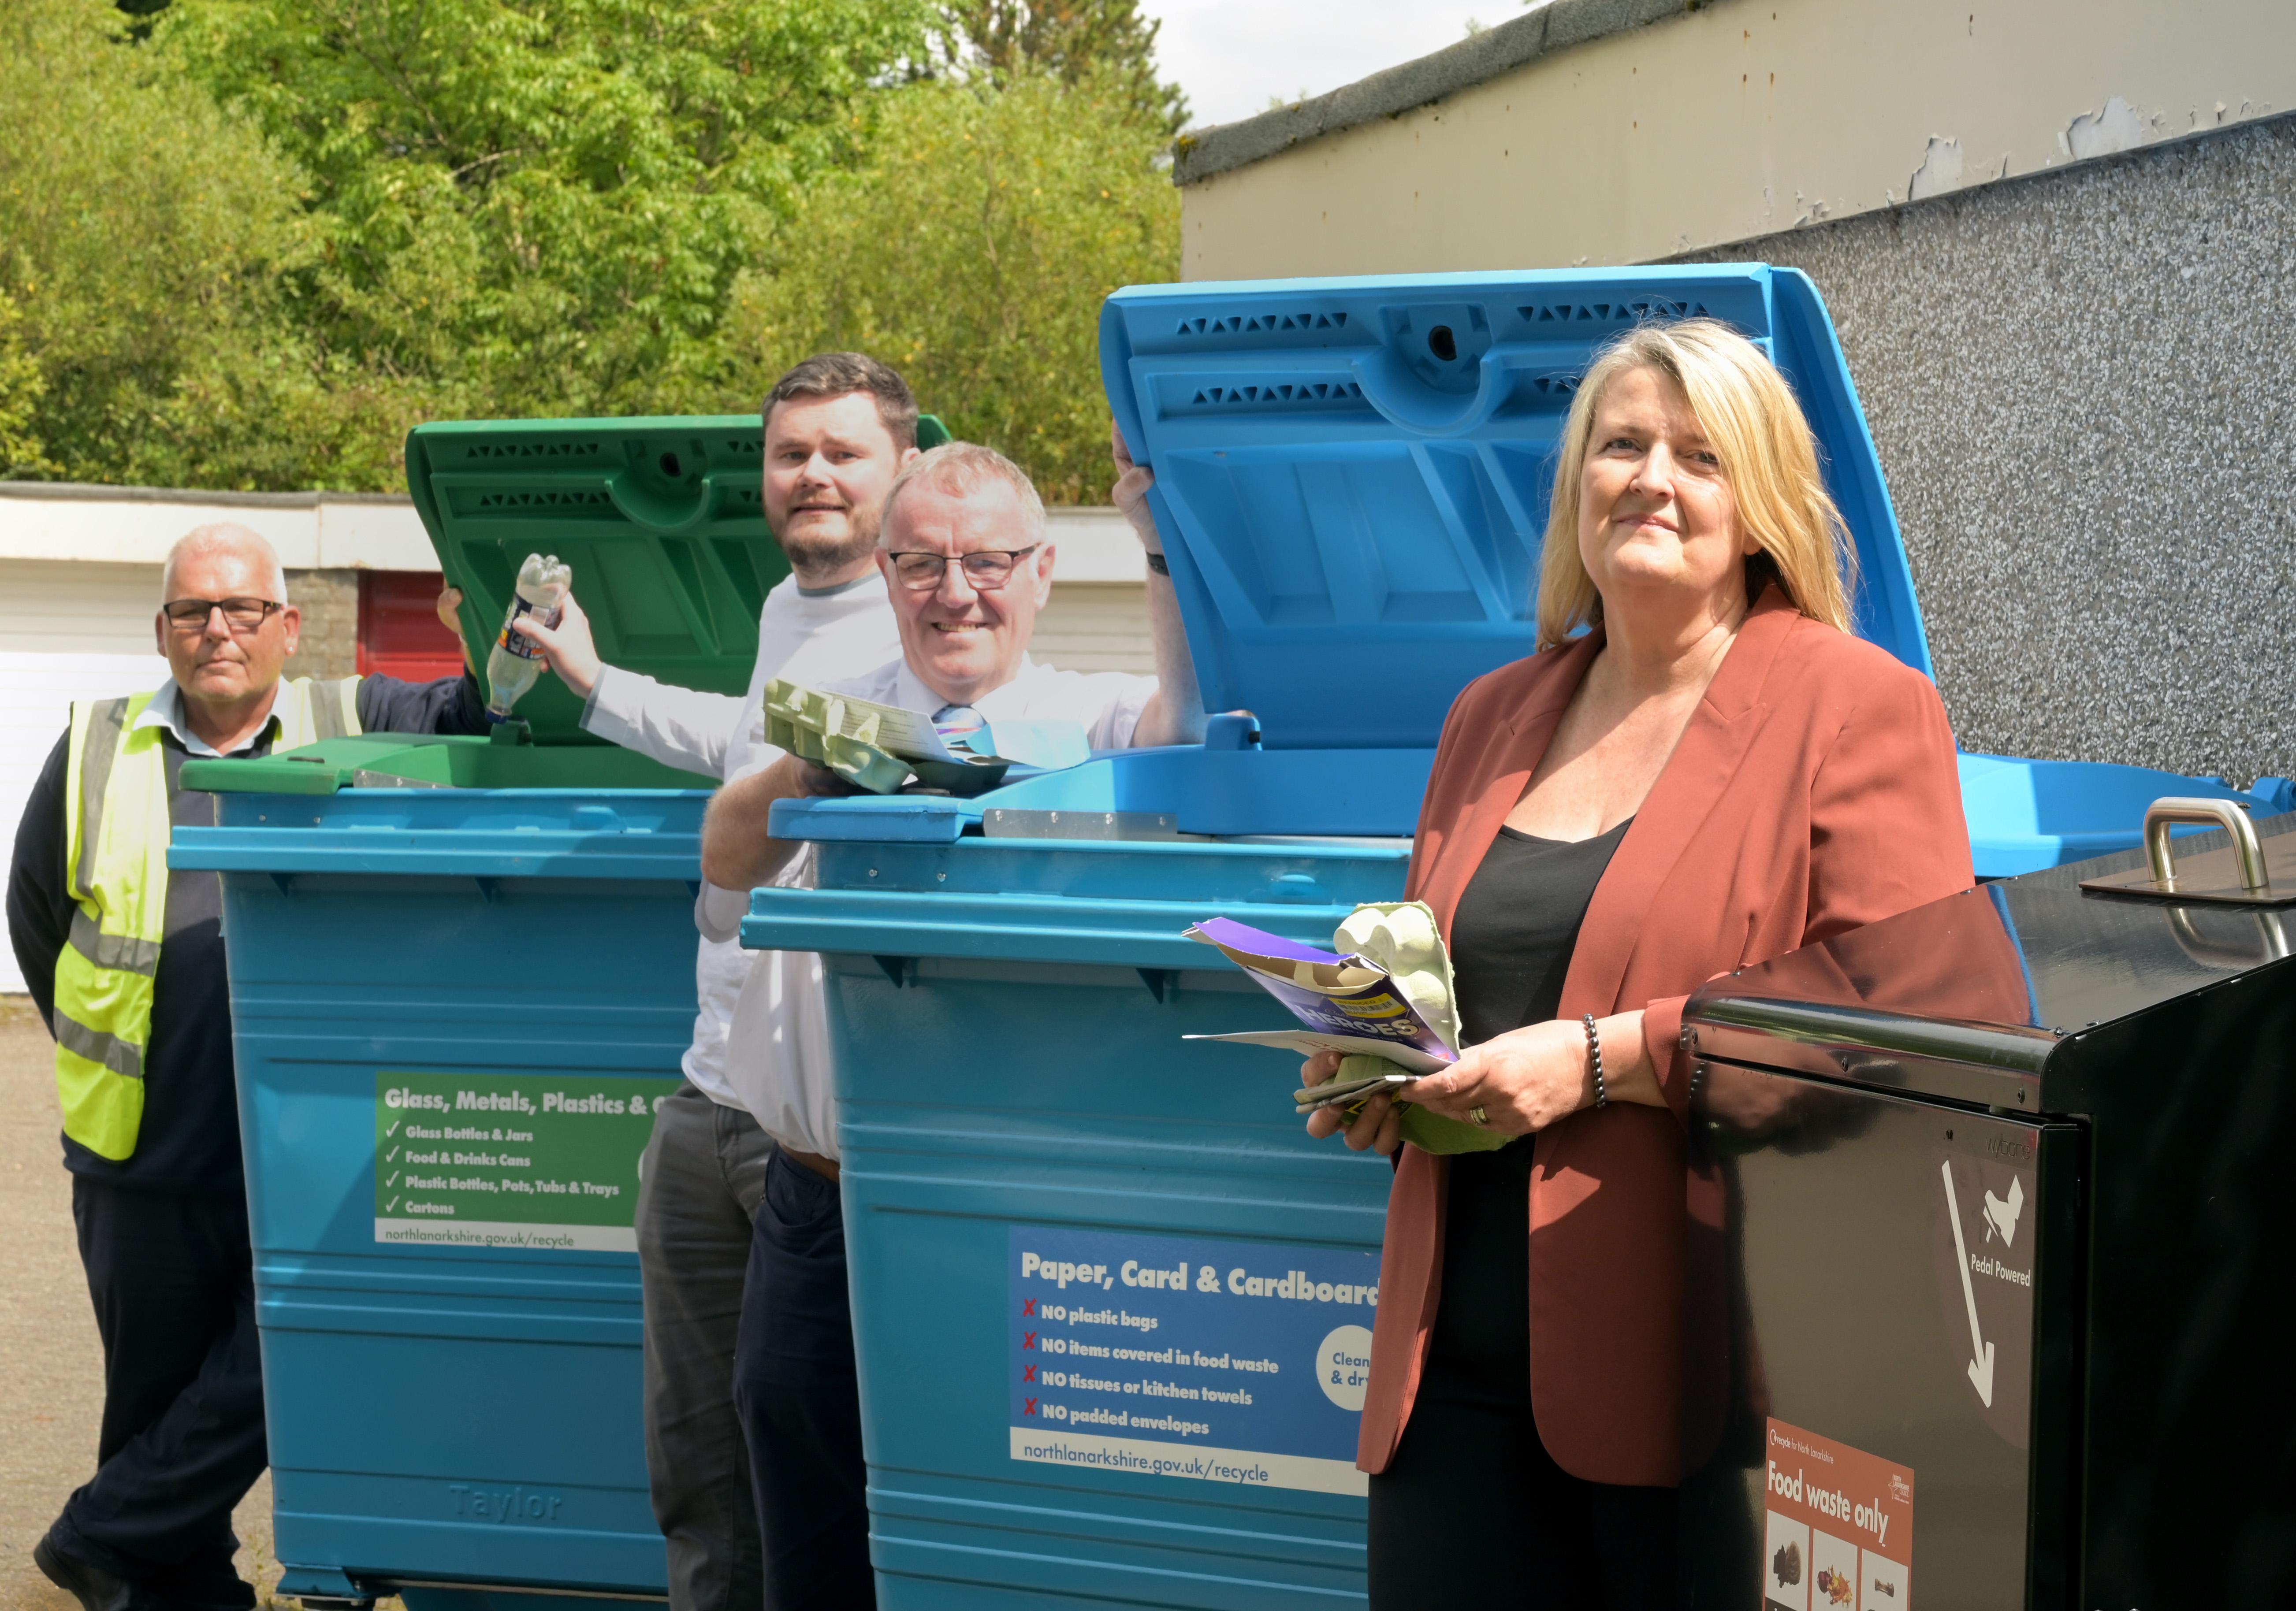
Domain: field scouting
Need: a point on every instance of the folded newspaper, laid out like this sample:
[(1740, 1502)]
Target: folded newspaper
[(879, 747), (1384, 1001)]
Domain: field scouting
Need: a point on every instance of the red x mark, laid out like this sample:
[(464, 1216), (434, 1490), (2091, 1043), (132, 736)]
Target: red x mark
[(1031, 1410), (1027, 1339), (1027, 1307), (1028, 1373)]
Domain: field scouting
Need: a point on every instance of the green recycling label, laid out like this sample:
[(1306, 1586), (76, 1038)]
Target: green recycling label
[(524, 1160)]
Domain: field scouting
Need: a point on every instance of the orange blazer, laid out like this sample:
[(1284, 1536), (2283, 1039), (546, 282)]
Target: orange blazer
[(1814, 791)]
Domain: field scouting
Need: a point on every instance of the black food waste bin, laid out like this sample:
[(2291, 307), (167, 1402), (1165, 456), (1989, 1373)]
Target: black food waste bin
[(1990, 1223)]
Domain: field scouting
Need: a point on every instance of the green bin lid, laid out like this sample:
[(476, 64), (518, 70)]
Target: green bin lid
[(505, 759), (661, 520)]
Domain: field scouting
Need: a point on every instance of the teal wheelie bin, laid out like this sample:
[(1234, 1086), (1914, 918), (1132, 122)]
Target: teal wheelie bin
[(462, 974), (1112, 1307)]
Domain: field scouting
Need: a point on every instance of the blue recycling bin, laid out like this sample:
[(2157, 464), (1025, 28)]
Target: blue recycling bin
[(461, 974), (1111, 1306), (443, 1115)]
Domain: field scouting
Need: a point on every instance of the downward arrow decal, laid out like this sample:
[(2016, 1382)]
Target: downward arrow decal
[(1980, 1361)]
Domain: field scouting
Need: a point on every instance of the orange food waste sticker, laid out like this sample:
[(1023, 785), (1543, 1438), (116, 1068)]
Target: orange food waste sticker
[(1839, 1533)]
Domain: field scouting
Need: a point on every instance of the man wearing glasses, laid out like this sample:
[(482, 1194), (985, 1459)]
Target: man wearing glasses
[(963, 552), (126, 962)]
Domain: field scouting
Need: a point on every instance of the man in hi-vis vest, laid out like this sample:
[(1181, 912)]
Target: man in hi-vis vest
[(126, 962)]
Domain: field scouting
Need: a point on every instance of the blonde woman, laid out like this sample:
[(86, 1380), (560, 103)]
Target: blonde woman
[(1712, 772)]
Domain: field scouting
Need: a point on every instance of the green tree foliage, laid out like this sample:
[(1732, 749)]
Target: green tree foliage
[(539, 207), (20, 390), (971, 249), (246, 244), (1105, 40), (149, 242)]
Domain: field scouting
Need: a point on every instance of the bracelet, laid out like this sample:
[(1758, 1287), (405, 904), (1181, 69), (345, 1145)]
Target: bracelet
[(1595, 1059), (1157, 563)]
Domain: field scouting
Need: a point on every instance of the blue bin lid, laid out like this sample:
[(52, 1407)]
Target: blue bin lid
[(1354, 522)]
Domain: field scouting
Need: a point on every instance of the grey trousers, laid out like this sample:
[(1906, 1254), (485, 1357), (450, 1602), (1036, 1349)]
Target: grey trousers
[(705, 1171)]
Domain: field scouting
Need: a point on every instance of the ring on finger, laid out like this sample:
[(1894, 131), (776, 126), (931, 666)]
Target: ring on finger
[(1482, 1120)]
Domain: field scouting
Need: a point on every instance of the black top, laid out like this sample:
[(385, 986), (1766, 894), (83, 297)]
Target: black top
[(189, 1141), (1512, 938)]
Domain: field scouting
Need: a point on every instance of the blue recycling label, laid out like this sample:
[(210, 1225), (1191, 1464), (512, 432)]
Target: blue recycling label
[(1207, 1359)]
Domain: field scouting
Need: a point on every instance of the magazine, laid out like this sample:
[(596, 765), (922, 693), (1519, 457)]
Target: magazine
[(1349, 1004), (1386, 1005)]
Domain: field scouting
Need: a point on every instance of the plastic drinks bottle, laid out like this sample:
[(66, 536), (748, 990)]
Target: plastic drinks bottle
[(515, 662)]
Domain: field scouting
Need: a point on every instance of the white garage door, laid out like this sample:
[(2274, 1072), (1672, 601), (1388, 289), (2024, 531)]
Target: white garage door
[(68, 631)]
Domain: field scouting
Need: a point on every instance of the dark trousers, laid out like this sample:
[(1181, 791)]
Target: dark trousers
[(705, 1172), (173, 1281), (1472, 1510), (795, 1390)]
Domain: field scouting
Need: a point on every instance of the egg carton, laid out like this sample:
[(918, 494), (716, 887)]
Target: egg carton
[(1399, 938)]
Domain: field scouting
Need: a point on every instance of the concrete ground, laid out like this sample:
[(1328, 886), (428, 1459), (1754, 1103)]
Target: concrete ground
[(51, 1388)]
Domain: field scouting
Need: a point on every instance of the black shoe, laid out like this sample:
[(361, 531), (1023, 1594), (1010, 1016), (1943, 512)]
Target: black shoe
[(95, 1589)]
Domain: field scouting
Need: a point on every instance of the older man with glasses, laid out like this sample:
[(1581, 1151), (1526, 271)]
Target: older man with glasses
[(967, 565), (124, 960)]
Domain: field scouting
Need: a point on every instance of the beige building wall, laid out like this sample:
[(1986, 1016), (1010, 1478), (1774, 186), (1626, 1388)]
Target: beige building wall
[(1097, 617), (1733, 120), (1095, 626)]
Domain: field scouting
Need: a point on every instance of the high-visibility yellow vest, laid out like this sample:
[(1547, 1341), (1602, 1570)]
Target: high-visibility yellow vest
[(116, 868)]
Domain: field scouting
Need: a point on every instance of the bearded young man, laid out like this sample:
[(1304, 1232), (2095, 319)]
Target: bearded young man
[(838, 427)]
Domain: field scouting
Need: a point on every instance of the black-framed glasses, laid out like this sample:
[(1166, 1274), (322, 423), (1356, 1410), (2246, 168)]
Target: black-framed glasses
[(241, 615), (985, 569)]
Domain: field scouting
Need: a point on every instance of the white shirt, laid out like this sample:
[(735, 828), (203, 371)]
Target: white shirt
[(778, 1059), (812, 637), (167, 711)]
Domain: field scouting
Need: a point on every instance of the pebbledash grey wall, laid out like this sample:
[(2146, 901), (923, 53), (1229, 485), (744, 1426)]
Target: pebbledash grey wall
[(2083, 387)]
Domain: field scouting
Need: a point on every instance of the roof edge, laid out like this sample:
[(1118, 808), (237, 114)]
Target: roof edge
[(90, 492), (1557, 26)]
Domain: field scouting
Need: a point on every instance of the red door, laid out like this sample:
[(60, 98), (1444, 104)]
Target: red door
[(399, 630)]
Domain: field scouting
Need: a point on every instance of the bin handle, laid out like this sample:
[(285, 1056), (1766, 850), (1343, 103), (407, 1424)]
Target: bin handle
[(2273, 938), (2227, 815)]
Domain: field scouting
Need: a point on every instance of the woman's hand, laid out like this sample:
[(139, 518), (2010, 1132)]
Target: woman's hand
[(1523, 1081), (1378, 1128), (1526, 1079)]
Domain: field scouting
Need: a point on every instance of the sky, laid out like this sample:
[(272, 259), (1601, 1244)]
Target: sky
[(1232, 56)]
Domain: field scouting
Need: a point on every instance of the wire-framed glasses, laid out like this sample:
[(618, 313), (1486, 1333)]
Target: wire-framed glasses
[(241, 615), (985, 569)]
